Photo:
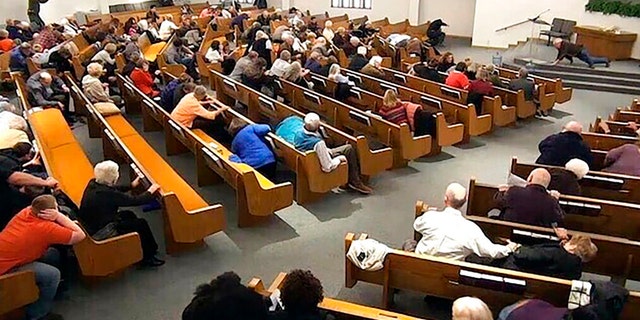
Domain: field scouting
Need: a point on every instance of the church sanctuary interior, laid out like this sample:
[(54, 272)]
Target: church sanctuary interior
[(319, 160)]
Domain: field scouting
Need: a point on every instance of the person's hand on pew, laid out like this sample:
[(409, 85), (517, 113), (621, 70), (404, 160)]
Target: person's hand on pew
[(503, 187), (153, 188), (555, 194), (61, 105), (561, 233), (135, 183), (512, 245), (51, 183), (632, 125)]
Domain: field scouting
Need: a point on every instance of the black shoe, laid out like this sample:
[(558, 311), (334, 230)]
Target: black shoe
[(151, 262), (591, 66), (52, 316), (608, 64)]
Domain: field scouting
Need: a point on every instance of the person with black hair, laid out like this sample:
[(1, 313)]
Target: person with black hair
[(225, 298), (152, 14), (301, 293), (13, 158), (427, 70)]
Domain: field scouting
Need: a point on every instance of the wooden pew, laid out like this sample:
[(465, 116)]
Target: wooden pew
[(5, 72), (17, 290), (635, 105), (311, 181), (502, 114), (554, 90), (82, 58), (188, 219), (138, 14), (343, 116), (149, 51), (619, 128), (257, 198), (452, 279), (462, 124), (208, 38), (405, 146), (625, 115), (58, 147), (399, 27), (338, 308), (617, 257), (380, 23), (163, 65), (605, 217), (601, 143), (358, 21), (372, 162), (596, 184)]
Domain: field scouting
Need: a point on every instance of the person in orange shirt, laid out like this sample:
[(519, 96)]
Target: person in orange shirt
[(191, 113), (143, 80), (25, 246), (457, 78), (6, 44)]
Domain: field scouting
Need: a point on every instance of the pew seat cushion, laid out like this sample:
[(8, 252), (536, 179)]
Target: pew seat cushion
[(106, 108), (54, 133), (151, 53), (162, 173), (226, 153), (70, 166), (121, 126)]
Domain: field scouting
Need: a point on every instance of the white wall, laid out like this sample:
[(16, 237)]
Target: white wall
[(395, 10), (488, 19), (458, 14), (52, 11)]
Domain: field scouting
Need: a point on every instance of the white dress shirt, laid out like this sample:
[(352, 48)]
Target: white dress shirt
[(213, 55), (279, 67), (448, 234)]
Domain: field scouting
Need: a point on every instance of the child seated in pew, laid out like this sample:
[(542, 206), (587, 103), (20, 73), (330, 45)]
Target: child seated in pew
[(343, 89), (555, 259), (249, 147), (225, 298)]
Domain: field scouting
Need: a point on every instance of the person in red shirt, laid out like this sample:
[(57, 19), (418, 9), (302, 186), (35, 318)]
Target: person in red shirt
[(480, 88), (6, 44), (25, 246), (457, 78), (143, 80)]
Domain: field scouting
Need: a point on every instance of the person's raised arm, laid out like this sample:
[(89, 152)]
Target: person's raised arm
[(57, 234)]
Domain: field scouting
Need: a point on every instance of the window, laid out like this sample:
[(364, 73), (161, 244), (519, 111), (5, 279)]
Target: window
[(351, 4)]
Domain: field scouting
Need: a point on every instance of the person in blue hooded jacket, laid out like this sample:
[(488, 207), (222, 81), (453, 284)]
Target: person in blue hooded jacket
[(250, 147)]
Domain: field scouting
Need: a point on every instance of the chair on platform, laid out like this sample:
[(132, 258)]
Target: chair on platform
[(560, 28)]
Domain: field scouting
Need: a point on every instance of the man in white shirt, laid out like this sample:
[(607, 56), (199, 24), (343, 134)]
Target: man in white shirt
[(449, 234), (281, 64), (330, 159)]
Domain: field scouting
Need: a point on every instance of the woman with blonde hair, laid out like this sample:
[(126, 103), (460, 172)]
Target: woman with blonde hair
[(470, 308), (479, 88), (392, 109), (343, 89)]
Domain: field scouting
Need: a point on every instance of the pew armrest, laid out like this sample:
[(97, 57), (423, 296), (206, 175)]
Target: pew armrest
[(17, 289)]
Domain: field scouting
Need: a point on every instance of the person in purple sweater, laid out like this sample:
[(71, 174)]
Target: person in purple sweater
[(249, 147), (624, 159)]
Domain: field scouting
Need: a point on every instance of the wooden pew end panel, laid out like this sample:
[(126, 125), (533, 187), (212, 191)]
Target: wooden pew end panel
[(109, 256), (17, 289)]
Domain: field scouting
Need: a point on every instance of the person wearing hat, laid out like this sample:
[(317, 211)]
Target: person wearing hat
[(435, 33), (25, 245), (18, 58)]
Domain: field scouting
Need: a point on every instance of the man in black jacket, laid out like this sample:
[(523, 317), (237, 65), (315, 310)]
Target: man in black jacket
[(359, 60), (559, 148), (99, 210), (569, 50)]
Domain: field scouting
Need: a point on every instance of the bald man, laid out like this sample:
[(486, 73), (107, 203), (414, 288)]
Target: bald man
[(533, 204), (449, 234), (557, 149)]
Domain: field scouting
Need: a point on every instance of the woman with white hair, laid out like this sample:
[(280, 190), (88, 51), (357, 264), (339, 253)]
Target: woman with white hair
[(167, 27), (328, 33), (343, 89), (566, 180), (470, 308), (296, 74), (320, 46), (373, 68), (94, 89), (99, 213), (262, 45)]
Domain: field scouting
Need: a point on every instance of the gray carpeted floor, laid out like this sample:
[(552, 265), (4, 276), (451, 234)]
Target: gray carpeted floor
[(311, 237)]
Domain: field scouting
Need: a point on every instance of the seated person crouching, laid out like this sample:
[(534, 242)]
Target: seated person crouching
[(25, 246), (99, 210), (249, 147), (305, 136), (192, 113)]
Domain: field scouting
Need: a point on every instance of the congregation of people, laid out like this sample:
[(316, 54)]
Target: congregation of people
[(37, 219)]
